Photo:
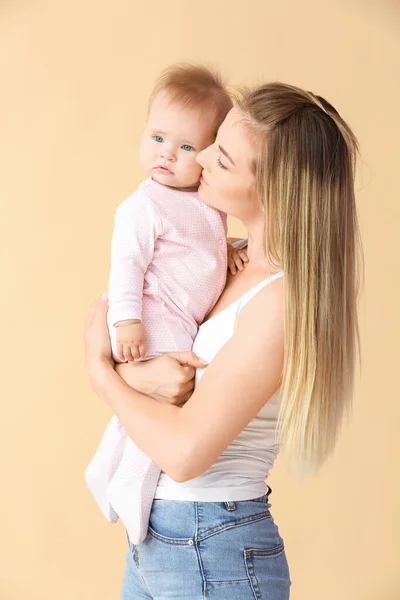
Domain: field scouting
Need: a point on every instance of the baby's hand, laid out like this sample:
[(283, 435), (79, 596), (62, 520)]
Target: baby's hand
[(130, 340), (237, 259)]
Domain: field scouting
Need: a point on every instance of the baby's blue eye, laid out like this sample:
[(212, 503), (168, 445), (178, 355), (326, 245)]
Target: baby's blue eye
[(158, 138), (187, 147)]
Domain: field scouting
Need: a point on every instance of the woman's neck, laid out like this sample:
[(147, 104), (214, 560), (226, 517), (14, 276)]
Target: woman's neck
[(256, 250)]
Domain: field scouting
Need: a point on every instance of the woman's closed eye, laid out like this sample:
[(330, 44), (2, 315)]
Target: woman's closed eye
[(220, 164)]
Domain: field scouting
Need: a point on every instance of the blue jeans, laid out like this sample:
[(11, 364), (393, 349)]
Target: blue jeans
[(214, 550)]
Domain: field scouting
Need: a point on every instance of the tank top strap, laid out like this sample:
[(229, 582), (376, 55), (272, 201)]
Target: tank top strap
[(254, 290), (240, 244)]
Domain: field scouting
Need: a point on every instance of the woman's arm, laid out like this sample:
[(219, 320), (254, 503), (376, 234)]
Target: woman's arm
[(184, 442)]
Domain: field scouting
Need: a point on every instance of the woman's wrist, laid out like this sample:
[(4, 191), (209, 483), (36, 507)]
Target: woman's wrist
[(137, 376), (99, 368)]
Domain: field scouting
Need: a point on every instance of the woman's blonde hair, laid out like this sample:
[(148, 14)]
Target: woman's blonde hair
[(305, 177)]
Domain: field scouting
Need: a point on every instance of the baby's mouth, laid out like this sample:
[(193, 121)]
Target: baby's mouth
[(162, 169)]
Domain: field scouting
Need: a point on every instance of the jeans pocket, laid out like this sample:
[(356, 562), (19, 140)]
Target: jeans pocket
[(268, 572)]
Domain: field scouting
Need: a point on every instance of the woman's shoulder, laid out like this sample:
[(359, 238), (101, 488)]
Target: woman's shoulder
[(263, 304), (263, 289)]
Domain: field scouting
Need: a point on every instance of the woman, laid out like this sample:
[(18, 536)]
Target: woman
[(281, 344)]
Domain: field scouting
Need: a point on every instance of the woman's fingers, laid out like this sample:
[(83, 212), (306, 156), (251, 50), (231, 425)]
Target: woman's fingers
[(186, 387), (187, 358), (97, 314), (91, 315), (96, 335), (100, 307), (184, 399)]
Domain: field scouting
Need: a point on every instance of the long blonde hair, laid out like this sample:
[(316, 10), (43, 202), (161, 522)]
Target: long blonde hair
[(305, 178)]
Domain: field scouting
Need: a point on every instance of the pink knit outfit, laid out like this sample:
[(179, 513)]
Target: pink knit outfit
[(168, 264), (168, 269)]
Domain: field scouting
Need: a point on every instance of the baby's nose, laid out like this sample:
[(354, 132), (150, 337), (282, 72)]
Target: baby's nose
[(168, 154)]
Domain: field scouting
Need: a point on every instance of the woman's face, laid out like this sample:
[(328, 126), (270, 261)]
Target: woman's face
[(227, 182)]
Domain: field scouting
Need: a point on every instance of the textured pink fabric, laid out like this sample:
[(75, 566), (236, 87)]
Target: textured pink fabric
[(168, 268), (168, 264)]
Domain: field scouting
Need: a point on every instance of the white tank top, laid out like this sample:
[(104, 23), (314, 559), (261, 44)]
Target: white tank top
[(241, 470)]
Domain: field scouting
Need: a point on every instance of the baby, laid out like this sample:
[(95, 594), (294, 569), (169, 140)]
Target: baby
[(169, 260)]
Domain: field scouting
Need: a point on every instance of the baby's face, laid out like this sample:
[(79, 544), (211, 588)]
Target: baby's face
[(172, 138)]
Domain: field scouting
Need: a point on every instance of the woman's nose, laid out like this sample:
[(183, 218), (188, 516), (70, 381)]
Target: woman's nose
[(200, 158), (204, 157)]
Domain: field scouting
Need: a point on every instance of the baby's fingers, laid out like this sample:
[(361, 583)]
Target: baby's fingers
[(243, 256), (129, 353), (231, 265), (120, 352), (238, 262)]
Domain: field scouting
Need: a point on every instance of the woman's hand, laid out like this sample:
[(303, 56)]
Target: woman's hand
[(97, 340), (168, 378)]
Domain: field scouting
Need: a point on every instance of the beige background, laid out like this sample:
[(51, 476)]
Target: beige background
[(75, 77)]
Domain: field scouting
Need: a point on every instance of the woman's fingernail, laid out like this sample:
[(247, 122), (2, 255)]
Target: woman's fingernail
[(105, 296)]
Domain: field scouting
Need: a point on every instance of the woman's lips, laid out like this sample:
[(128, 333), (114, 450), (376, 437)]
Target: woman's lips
[(202, 180)]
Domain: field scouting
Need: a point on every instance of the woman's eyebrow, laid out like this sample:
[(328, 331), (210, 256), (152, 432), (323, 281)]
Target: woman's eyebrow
[(226, 154)]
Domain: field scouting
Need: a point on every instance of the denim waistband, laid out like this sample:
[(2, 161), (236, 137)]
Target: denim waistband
[(263, 498), (177, 521)]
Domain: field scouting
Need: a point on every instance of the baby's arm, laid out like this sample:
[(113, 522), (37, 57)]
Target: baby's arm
[(137, 226)]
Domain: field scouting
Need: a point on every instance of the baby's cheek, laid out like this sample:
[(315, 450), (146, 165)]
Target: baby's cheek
[(188, 171), (146, 156), (195, 170)]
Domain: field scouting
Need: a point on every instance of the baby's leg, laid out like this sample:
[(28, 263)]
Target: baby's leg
[(131, 491), (104, 464)]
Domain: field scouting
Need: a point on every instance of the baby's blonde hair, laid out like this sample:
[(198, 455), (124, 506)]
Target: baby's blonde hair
[(195, 87)]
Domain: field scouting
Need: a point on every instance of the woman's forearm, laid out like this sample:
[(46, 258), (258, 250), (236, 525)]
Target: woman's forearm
[(156, 428)]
